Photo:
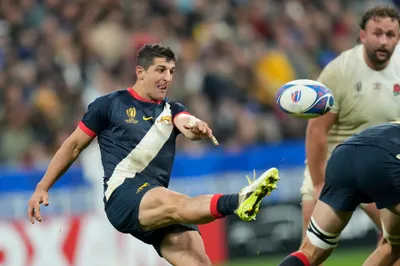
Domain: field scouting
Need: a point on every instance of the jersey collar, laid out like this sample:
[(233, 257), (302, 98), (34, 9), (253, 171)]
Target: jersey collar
[(140, 98)]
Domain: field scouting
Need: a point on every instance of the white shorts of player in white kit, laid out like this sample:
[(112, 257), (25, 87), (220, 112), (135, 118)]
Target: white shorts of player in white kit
[(307, 188)]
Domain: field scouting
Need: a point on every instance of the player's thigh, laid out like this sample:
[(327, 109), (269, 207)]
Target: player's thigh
[(307, 208), (329, 219), (184, 248), (159, 208), (323, 232)]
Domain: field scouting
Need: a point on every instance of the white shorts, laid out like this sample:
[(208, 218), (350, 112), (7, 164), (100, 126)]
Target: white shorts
[(307, 188)]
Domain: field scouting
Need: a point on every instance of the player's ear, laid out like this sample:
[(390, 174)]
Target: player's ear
[(362, 35), (140, 72)]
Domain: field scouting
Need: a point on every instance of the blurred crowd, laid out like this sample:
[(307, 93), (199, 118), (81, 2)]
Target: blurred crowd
[(56, 56)]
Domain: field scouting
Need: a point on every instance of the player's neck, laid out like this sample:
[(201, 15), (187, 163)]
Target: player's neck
[(141, 92), (374, 66)]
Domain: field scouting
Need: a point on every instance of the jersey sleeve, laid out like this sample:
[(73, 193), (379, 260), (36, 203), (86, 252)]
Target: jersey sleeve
[(177, 109), (95, 120), (332, 77)]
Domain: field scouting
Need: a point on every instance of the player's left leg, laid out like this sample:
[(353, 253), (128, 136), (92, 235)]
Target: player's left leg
[(161, 207), (184, 248), (321, 238), (388, 253)]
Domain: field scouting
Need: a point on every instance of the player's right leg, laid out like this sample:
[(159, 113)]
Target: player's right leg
[(161, 207)]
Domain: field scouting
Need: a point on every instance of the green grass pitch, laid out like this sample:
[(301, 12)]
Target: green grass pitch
[(342, 257)]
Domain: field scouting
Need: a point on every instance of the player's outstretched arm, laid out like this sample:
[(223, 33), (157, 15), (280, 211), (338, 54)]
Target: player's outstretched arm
[(317, 148), (192, 128), (62, 160)]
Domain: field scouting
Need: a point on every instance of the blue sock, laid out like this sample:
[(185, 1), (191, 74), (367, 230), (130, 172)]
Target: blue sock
[(227, 204), (295, 259)]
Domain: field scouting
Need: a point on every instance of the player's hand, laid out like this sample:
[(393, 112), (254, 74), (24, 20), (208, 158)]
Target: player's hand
[(199, 128), (317, 191), (40, 196)]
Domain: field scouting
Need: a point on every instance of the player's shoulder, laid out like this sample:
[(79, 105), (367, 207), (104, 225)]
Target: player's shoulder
[(112, 96), (175, 106), (171, 102), (341, 61), (345, 64), (350, 56)]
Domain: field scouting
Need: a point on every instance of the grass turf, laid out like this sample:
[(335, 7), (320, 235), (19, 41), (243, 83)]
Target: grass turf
[(347, 257)]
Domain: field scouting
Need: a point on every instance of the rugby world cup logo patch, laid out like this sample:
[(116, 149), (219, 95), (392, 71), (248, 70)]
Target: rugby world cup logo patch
[(296, 96)]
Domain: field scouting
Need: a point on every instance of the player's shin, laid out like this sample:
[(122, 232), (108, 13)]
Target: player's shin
[(206, 208)]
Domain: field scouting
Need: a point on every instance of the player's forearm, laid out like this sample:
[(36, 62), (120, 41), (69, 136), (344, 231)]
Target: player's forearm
[(60, 163), (316, 150)]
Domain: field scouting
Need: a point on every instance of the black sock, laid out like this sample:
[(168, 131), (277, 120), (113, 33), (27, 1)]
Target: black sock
[(295, 259), (227, 204)]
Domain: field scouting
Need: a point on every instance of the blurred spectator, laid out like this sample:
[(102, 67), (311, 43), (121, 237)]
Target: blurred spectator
[(57, 56)]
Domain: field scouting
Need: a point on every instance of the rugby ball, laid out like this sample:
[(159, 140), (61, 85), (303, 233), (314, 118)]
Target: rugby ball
[(305, 98)]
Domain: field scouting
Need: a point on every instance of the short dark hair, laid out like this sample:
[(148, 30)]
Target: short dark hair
[(147, 53), (379, 11)]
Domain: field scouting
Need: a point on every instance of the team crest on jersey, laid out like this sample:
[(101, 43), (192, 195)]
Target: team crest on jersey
[(165, 120), (396, 89), (131, 113)]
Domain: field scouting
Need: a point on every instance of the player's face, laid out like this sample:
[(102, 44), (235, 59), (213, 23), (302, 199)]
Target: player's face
[(380, 38), (157, 78)]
